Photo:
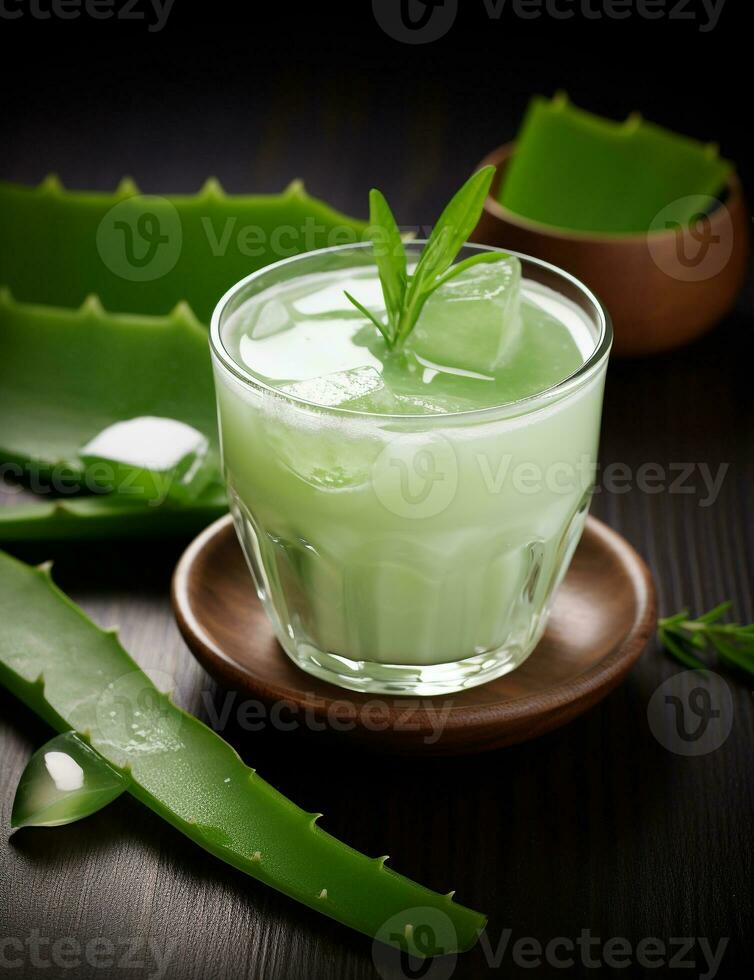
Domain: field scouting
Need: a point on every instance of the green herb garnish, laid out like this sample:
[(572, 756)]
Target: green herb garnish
[(684, 638), (405, 295)]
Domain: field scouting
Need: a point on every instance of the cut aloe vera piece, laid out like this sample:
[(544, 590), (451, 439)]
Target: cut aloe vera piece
[(581, 172), (473, 321), (106, 517), (145, 253), (78, 677), (66, 375), (150, 458), (63, 782)]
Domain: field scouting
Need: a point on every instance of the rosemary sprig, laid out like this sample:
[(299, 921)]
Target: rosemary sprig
[(404, 294), (686, 639)]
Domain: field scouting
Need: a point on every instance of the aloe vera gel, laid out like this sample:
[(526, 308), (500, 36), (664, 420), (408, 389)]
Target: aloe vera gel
[(408, 512)]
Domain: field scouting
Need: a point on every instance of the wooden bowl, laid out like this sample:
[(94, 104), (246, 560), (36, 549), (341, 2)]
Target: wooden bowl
[(602, 618), (662, 289)]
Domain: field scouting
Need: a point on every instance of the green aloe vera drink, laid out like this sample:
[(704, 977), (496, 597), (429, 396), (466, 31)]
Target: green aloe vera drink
[(407, 514)]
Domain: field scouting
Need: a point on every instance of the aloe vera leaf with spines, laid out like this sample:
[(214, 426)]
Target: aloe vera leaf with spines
[(578, 171), (64, 781), (106, 517), (144, 253), (66, 375), (77, 676)]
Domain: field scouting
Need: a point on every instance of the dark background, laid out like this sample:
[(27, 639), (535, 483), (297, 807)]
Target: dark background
[(261, 95), (594, 827)]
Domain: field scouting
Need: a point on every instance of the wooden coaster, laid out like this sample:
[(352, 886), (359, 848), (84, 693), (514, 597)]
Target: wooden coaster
[(603, 615)]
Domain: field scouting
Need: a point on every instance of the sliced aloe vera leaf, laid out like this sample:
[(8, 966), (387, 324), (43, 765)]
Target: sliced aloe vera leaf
[(145, 253), (63, 782), (578, 171), (108, 516), (66, 375), (78, 677), (152, 458)]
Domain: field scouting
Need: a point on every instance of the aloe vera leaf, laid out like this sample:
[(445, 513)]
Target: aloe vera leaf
[(65, 375), (578, 171), (150, 457), (78, 677), (107, 516), (145, 253), (64, 781)]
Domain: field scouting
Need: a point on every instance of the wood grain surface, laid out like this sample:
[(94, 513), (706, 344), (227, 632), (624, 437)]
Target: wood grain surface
[(597, 826)]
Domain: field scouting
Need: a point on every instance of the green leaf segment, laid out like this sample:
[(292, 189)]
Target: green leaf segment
[(405, 294), (78, 677), (687, 640), (144, 253), (110, 292), (64, 781)]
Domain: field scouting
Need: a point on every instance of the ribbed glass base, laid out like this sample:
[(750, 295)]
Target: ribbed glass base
[(378, 678)]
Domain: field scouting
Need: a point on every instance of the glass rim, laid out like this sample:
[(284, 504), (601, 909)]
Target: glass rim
[(520, 406)]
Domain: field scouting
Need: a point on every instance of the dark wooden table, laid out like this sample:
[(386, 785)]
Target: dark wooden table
[(597, 830)]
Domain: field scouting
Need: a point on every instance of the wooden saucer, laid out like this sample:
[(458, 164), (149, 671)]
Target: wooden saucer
[(602, 617)]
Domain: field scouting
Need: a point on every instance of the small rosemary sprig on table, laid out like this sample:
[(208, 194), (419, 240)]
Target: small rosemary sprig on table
[(685, 638)]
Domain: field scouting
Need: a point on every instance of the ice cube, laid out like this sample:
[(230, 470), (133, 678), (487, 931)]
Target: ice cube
[(271, 318), (330, 299), (473, 321), (361, 389), (324, 454), (149, 457), (258, 320)]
